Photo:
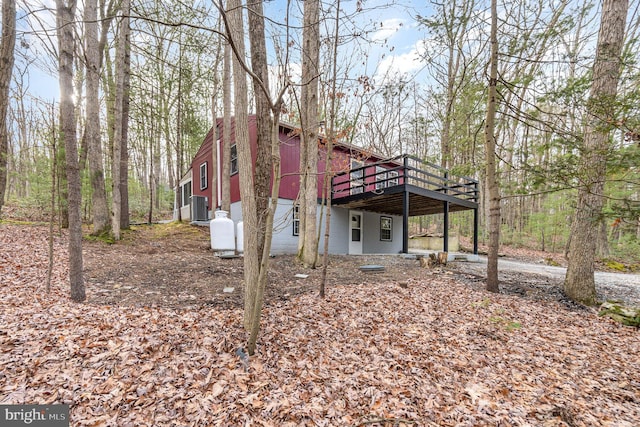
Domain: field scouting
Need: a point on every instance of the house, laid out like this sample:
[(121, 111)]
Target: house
[(372, 198)]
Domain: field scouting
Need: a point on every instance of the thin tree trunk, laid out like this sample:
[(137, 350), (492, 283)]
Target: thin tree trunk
[(225, 203), (7, 45), (268, 233), (579, 283), (235, 30), (118, 119), (92, 126), (328, 169), (66, 41), (310, 126), (490, 148), (124, 140), (262, 174), (52, 213)]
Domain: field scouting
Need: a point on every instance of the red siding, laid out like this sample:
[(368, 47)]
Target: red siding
[(203, 155), (290, 163)]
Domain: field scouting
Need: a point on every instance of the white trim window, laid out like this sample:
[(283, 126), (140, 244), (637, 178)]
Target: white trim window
[(296, 220), (203, 176), (186, 194), (381, 177), (392, 178), (357, 177), (386, 228), (234, 160)]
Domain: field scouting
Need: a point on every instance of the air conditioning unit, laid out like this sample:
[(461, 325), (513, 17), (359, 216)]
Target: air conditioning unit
[(199, 208)]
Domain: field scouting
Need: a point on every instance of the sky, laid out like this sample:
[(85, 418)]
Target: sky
[(391, 25)]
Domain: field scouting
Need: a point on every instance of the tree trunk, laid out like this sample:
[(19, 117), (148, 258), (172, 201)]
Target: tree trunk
[(225, 203), (7, 45), (310, 126), (118, 136), (490, 153), (262, 174), (328, 160), (579, 283), (66, 41), (261, 283), (92, 126), (602, 241), (124, 140), (235, 31)]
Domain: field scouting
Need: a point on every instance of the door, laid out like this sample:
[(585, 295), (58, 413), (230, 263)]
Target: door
[(355, 233)]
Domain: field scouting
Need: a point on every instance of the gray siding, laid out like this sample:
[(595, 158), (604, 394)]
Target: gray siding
[(371, 243), (284, 242)]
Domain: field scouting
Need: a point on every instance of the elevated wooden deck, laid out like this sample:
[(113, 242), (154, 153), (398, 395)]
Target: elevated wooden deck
[(407, 186)]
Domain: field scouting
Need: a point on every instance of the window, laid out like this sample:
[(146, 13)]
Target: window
[(356, 227), (296, 220), (386, 226), (381, 178), (203, 176), (234, 159), (392, 178), (357, 183), (186, 194)]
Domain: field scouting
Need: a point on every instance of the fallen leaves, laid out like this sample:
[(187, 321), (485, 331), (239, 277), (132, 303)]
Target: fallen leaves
[(435, 353)]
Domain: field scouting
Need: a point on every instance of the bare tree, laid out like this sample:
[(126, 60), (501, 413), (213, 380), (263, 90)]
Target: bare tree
[(331, 136), (264, 122), (225, 203), (601, 118), (308, 244), (256, 264), (7, 45), (119, 118), (235, 29), (490, 152), (124, 137), (92, 126), (66, 47)]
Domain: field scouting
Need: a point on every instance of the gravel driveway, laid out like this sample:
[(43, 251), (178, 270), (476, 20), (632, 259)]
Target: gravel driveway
[(609, 286)]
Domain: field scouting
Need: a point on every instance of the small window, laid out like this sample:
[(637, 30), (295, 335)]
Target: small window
[(203, 176), (381, 178), (386, 226), (186, 194), (357, 181), (392, 178), (356, 227), (296, 220), (234, 159)]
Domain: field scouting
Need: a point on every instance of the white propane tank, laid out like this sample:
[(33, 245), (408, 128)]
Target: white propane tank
[(222, 233), (240, 237)]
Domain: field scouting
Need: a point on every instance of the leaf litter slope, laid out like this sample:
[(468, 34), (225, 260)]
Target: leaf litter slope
[(435, 353)]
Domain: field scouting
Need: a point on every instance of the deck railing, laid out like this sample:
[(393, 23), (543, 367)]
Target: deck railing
[(401, 170)]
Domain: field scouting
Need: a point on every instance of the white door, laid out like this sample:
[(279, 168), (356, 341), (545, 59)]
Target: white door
[(355, 233)]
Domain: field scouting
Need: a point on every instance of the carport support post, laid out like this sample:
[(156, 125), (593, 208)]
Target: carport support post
[(446, 227), (475, 231)]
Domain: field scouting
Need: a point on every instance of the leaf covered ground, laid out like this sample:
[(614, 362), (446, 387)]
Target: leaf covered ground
[(374, 353)]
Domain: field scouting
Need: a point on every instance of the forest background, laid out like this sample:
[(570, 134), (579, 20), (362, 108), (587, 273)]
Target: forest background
[(425, 96)]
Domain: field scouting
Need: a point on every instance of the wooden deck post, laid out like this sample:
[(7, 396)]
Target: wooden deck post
[(405, 208), (405, 222), (475, 231), (445, 247)]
